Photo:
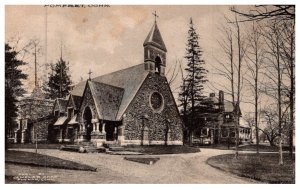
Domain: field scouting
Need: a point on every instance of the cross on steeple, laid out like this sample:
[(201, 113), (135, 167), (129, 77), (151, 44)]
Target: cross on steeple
[(155, 16), (90, 72)]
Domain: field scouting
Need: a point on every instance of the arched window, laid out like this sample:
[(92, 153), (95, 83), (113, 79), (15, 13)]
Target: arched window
[(157, 64)]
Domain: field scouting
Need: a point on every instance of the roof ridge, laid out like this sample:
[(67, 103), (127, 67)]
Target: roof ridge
[(107, 84), (118, 71)]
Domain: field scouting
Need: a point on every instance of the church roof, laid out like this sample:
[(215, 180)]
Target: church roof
[(129, 79), (107, 99), (154, 38), (76, 101)]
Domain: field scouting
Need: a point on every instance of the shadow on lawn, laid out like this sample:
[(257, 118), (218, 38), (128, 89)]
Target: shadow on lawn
[(264, 168), (33, 159)]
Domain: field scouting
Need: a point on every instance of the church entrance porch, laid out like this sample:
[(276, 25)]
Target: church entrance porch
[(111, 131)]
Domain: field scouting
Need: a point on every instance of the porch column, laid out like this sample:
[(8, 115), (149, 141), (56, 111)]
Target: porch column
[(23, 131), (121, 131), (97, 126), (83, 127), (81, 133), (115, 133), (103, 128), (16, 136)]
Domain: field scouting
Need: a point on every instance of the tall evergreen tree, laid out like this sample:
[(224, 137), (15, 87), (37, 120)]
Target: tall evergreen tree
[(59, 80), (13, 87), (192, 88)]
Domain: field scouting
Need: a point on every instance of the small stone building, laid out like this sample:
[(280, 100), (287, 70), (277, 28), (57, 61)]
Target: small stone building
[(130, 106), (34, 117)]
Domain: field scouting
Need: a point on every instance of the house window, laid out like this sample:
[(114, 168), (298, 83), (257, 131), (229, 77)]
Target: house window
[(232, 133), (56, 113), (224, 133)]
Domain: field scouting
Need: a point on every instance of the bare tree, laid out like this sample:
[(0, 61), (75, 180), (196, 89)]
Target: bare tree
[(241, 48), (262, 12), (228, 67), (288, 57), (275, 74), (172, 74), (255, 57)]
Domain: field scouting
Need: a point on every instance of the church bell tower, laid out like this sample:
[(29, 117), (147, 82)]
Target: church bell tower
[(155, 51)]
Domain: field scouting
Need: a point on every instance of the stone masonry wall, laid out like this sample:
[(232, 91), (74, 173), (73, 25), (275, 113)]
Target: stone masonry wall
[(157, 121), (41, 128)]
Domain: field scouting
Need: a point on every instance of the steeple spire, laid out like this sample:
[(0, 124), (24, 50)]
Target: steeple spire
[(155, 50)]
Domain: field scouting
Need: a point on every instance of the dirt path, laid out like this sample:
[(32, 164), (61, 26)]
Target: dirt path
[(179, 168)]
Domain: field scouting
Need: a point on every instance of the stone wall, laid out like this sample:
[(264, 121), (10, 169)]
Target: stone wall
[(41, 128), (158, 120)]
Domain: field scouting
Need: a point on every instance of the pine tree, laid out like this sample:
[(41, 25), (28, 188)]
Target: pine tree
[(192, 89), (13, 87), (59, 81)]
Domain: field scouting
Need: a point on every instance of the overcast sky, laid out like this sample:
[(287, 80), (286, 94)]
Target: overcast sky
[(111, 38)]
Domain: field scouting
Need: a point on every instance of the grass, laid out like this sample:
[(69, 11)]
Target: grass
[(262, 148), (148, 161), (264, 168), (161, 149), (250, 147), (32, 159)]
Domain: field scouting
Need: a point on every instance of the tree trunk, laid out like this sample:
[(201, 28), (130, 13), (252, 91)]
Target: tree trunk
[(279, 98), (292, 94), (237, 106)]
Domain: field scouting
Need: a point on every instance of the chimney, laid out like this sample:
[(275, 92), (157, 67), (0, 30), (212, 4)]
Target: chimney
[(221, 100)]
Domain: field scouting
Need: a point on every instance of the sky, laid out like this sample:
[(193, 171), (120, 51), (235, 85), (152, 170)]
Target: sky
[(106, 39)]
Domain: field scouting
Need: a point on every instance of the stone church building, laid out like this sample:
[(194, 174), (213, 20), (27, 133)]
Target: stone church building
[(130, 106)]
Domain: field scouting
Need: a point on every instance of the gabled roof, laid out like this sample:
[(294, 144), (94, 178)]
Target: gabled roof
[(154, 38), (74, 101), (77, 100), (37, 93), (61, 104), (129, 79), (107, 99)]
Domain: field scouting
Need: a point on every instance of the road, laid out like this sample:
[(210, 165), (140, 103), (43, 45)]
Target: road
[(170, 169)]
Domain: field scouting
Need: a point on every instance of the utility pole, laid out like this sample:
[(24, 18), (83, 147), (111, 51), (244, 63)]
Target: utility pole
[(35, 71), (60, 81)]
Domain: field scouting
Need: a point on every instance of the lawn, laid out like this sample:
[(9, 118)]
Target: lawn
[(262, 148), (32, 159), (161, 149), (264, 168)]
